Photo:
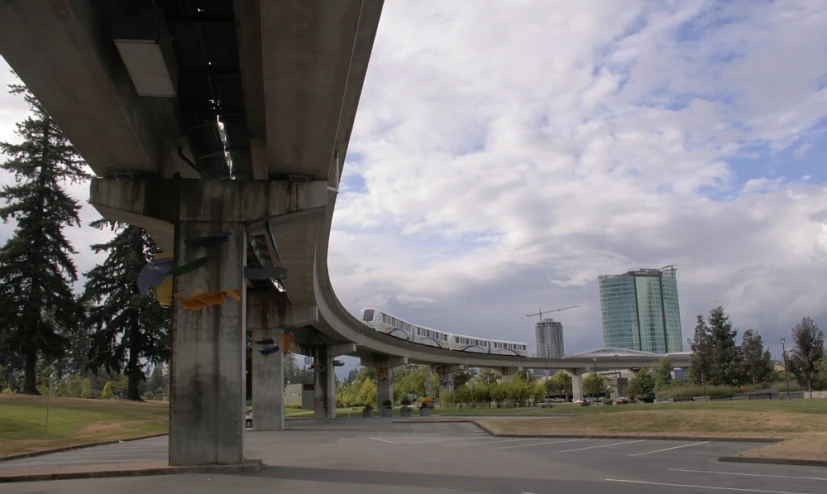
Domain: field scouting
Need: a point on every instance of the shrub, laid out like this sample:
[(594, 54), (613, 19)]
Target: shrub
[(107, 391), (427, 402), (7, 391), (387, 404), (693, 391), (781, 387), (405, 401)]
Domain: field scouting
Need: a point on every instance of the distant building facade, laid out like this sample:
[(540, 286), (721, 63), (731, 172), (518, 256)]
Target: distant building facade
[(549, 336), (641, 311)]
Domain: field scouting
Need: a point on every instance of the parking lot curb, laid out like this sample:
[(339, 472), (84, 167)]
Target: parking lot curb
[(32, 454), (247, 466), (602, 436), (773, 461)]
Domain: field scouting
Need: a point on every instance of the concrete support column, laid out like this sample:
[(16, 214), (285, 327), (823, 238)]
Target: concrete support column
[(506, 371), (268, 382), (384, 386), (324, 399), (446, 381), (429, 385), (208, 345), (577, 384), (384, 365), (263, 319), (207, 402)]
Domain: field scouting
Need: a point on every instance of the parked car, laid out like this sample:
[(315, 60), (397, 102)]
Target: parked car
[(249, 419), (622, 400)]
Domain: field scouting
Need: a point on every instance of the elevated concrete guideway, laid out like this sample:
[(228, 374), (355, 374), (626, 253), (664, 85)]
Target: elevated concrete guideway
[(227, 116)]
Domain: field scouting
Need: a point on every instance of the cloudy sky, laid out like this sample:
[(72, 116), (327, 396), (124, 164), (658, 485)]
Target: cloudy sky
[(505, 154)]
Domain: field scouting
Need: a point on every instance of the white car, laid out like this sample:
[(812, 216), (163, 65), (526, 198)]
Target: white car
[(249, 420)]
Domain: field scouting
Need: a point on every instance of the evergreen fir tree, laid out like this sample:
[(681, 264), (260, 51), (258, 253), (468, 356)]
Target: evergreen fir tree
[(127, 327), (36, 268), (757, 360), (726, 354), (700, 363)]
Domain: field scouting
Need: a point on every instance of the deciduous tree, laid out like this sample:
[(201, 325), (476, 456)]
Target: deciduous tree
[(807, 351)]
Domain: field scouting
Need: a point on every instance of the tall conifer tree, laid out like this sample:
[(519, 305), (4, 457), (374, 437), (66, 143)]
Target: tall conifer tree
[(129, 329), (36, 266)]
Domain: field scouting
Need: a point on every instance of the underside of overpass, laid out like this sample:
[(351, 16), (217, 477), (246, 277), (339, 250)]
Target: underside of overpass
[(201, 117)]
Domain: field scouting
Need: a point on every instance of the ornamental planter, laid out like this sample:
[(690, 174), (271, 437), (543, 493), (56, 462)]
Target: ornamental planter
[(387, 412), (425, 412), (406, 412)]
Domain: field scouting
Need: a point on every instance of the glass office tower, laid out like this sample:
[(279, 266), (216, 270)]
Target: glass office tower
[(640, 310)]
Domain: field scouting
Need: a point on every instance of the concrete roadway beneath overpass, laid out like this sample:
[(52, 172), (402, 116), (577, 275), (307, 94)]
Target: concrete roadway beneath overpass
[(378, 456)]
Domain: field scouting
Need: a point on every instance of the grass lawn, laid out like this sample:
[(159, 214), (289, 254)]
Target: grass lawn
[(74, 421), (801, 422)]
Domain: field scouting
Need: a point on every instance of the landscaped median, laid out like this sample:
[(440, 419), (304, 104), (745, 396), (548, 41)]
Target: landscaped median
[(798, 427)]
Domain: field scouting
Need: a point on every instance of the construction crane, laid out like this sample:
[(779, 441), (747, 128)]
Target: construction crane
[(548, 311)]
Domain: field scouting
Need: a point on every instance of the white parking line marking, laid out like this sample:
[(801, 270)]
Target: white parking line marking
[(601, 446), (383, 440), (541, 444), (490, 442), (704, 487), (749, 474), (670, 449), (433, 440)]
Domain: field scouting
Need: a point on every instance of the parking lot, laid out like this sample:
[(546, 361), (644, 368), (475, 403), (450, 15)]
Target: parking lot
[(379, 456)]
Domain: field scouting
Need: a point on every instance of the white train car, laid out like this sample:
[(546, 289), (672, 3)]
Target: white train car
[(391, 325), (513, 348)]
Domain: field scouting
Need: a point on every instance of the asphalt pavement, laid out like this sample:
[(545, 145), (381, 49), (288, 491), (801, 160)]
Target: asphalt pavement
[(368, 456)]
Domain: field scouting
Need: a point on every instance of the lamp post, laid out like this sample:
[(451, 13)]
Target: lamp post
[(786, 374), (594, 359), (471, 385), (453, 395)]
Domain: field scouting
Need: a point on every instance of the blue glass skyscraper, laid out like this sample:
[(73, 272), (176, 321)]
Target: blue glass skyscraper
[(640, 310)]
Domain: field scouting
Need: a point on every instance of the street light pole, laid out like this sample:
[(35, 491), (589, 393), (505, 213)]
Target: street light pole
[(786, 373), (595, 376), (703, 381), (453, 395)]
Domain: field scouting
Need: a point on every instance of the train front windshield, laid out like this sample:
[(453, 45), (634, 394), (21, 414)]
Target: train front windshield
[(368, 316)]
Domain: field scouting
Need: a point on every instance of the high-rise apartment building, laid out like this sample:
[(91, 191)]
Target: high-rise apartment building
[(640, 310), (549, 334)]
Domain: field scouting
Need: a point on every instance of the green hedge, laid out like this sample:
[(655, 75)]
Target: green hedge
[(693, 391)]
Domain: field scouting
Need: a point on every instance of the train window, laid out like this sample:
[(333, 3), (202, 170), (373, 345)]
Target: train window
[(368, 316), (456, 340)]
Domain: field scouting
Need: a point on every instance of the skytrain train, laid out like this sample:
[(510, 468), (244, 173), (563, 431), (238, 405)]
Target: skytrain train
[(386, 323)]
